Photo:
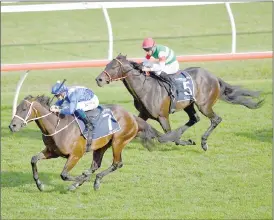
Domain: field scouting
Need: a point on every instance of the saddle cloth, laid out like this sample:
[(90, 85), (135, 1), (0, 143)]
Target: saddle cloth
[(103, 120), (184, 85)]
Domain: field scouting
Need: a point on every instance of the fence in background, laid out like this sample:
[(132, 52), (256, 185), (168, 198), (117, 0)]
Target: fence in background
[(105, 5), (99, 63)]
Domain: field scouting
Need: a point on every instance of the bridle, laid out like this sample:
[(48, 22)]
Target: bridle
[(26, 120), (118, 78)]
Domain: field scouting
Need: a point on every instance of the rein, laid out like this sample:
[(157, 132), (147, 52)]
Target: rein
[(25, 121)]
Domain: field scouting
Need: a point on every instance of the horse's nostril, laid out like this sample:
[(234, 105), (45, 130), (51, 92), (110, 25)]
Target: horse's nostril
[(100, 80), (11, 127)]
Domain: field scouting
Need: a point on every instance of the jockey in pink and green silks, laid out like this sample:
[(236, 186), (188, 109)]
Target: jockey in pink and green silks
[(165, 65)]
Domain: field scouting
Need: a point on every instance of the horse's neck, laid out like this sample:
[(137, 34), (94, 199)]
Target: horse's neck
[(136, 84), (145, 90), (49, 123), (134, 89)]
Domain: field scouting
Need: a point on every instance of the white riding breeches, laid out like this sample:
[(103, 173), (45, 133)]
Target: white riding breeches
[(88, 105), (168, 69)]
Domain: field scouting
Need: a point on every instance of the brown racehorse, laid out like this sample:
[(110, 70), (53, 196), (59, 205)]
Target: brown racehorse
[(62, 138), (151, 98)]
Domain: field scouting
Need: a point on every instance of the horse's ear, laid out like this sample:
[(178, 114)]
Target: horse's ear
[(118, 55)]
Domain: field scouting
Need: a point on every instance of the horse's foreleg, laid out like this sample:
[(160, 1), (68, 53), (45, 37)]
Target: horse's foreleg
[(175, 135), (71, 162), (117, 147), (99, 176), (42, 155), (193, 119), (96, 164)]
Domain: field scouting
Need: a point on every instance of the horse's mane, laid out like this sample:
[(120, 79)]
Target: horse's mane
[(43, 100), (137, 66)]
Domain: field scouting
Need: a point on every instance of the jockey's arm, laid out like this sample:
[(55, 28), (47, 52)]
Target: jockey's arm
[(158, 67), (69, 110), (59, 102)]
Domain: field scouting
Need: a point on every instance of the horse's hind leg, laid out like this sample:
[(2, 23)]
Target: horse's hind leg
[(40, 156), (214, 121)]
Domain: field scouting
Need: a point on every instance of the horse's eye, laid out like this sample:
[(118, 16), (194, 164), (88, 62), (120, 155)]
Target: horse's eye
[(24, 109)]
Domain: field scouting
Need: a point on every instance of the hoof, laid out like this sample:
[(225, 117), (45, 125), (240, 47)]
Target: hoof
[(96, 185), (120, 165), (191, 142), (87, 173), (41, 187), (184, 143), (162, 140), (73, 187), (205, 147)]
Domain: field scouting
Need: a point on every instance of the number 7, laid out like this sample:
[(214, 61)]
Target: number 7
[(109, 121)]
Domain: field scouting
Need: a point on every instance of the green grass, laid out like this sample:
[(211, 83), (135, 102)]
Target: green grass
[(232, 180)]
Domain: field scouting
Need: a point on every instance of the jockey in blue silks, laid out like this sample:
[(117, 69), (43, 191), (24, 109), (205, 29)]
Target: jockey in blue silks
[(74, 100)]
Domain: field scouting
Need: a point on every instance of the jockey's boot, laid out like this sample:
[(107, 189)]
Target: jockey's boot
[(88, 128), (88, 133), (170, 81)]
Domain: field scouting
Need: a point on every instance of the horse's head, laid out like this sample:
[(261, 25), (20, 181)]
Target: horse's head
[(115, 70), (26, 112)]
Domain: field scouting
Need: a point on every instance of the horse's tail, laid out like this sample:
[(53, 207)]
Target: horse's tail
[(147, 133), (237, 95)]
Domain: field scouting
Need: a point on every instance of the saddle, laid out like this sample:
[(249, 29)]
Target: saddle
[(103, 121), (94, 114)]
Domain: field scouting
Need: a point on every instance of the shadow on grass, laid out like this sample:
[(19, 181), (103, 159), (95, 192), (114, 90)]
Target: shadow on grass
[(24, 133), (19, 179), (11, 179), (264, 135), (165, 147)]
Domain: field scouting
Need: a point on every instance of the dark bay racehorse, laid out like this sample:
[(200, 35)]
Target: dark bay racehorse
[(151, 99), (62, 138)]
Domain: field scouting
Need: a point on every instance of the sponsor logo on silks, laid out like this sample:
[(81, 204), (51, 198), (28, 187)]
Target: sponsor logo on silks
[(105, 111), (180, 79)]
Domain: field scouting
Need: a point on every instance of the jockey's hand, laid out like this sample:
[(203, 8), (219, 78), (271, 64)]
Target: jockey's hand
[(54, 109), (147, 64), (146, 69)]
